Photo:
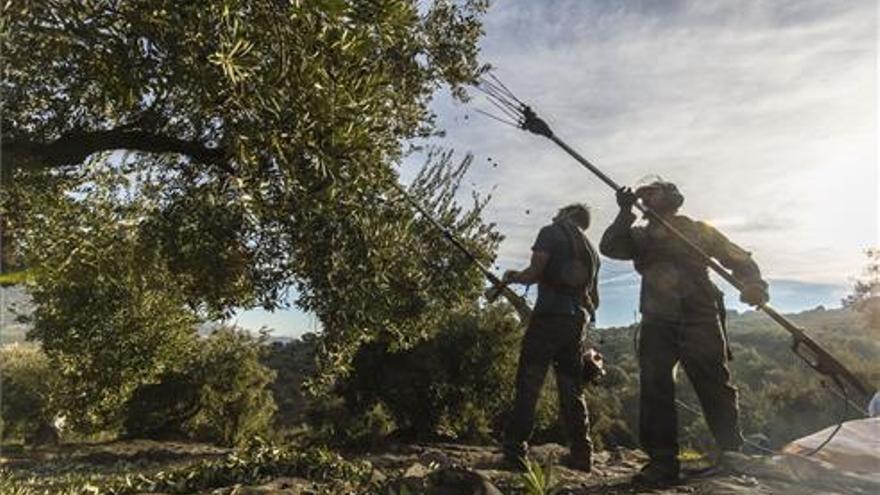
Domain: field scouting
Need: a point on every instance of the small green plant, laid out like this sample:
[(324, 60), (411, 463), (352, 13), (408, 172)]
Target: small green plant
[(403, 490), (537, 480)]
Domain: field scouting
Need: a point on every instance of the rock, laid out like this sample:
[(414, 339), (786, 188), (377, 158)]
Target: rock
[(417, 470), (279, 486), (45, 435), (436, 458), (377, 477), (460, 481)]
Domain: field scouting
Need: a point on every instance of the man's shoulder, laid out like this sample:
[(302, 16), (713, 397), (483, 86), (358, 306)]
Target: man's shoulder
[(551, 230), (548, 237), (701, 226)]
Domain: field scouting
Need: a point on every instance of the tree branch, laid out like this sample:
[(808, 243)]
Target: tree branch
[(74, 147)]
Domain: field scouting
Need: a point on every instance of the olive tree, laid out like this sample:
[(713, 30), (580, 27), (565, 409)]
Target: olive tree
[(184, 160)]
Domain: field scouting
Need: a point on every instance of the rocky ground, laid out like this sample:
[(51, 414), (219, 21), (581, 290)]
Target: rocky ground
[(613, 471), (451, 469)]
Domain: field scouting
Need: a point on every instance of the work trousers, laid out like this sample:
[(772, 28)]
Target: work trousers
[(701, 348), (556, 340)]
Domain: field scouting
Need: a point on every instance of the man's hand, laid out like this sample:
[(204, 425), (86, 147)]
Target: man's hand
[(510, 277), (626, 198), (754, 294)]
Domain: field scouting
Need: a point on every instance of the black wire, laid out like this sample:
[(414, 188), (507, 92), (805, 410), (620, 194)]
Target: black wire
[(839, 424)]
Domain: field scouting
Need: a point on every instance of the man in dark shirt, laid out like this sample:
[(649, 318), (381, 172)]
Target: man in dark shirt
[(564, 264), (681, 321)]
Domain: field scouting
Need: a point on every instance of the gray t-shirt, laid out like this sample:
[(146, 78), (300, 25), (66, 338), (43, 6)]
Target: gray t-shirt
[(553, 297)]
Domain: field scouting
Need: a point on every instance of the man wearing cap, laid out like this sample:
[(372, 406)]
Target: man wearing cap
[(682, 321), (565, 265)]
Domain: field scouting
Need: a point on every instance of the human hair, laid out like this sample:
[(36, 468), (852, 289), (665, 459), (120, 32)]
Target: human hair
[(578, 213)]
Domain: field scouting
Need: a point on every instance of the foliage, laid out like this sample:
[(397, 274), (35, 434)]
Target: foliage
[(418, 276), (454, 385), (13, 278), (262, 136), (26, 380), (536, 480), (865, 296), (257, 462), (293, 363), (107, 314), (779, 396), (222, 396), (235, 402), (459, 384)]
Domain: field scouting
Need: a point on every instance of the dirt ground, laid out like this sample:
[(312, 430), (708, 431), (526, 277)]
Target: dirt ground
[(438, 469)]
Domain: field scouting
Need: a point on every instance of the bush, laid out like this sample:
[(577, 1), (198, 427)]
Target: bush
[(293, 363), (235, 401), (457, 384), (161, 410), (26, 379), (222, 396)]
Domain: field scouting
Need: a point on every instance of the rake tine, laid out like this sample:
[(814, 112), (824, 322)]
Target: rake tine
[(505, 88), (501, 96), (499, 119), (507, 111), (498, 89), (493, 94)]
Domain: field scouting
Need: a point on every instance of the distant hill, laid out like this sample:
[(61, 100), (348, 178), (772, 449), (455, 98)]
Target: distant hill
[(13, 302), (780, 396)]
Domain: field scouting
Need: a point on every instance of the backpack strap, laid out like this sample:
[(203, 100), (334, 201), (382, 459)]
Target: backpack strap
[(581, 250)]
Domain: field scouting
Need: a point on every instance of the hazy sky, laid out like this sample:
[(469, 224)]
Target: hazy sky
[(764, 112)]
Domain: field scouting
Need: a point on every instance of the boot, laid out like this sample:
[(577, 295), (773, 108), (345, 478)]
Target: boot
[(514, 461), (578, 462), (658, 473)]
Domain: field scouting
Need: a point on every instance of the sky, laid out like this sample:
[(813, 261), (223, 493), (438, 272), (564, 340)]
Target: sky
[(763, 112)]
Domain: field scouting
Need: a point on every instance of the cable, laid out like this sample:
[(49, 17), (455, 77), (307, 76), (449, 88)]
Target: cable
[(837, 429)]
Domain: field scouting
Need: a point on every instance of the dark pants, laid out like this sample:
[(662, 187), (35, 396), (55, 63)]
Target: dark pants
[(556, 340), (702, 350)]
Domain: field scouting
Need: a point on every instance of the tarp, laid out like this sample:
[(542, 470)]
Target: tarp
[(856, 447)]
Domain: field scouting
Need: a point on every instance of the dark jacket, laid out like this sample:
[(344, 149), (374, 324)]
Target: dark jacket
[(675, 281)]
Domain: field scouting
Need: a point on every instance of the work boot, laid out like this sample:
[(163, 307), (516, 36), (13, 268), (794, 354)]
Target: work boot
[(513, 461), (658, 473), (578, 462), (731, 461)]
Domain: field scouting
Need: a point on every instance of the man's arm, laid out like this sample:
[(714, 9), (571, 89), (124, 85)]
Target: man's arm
[(740, 262), (531, 273), (617, 241)]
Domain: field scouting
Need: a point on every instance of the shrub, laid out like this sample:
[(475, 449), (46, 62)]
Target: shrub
[(235, 402), (26, 379), (457, 384), (222, 396)]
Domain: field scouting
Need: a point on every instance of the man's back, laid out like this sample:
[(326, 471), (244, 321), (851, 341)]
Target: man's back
[(566, 247)]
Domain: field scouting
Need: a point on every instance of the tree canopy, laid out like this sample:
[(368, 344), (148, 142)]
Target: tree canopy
[(227, 151)]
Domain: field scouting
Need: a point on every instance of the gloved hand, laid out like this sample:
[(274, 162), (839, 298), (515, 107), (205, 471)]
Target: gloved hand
[(509, 276), (626, 198), (754, 294)]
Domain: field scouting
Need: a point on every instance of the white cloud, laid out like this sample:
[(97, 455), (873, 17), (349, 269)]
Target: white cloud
[(762, 111)]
